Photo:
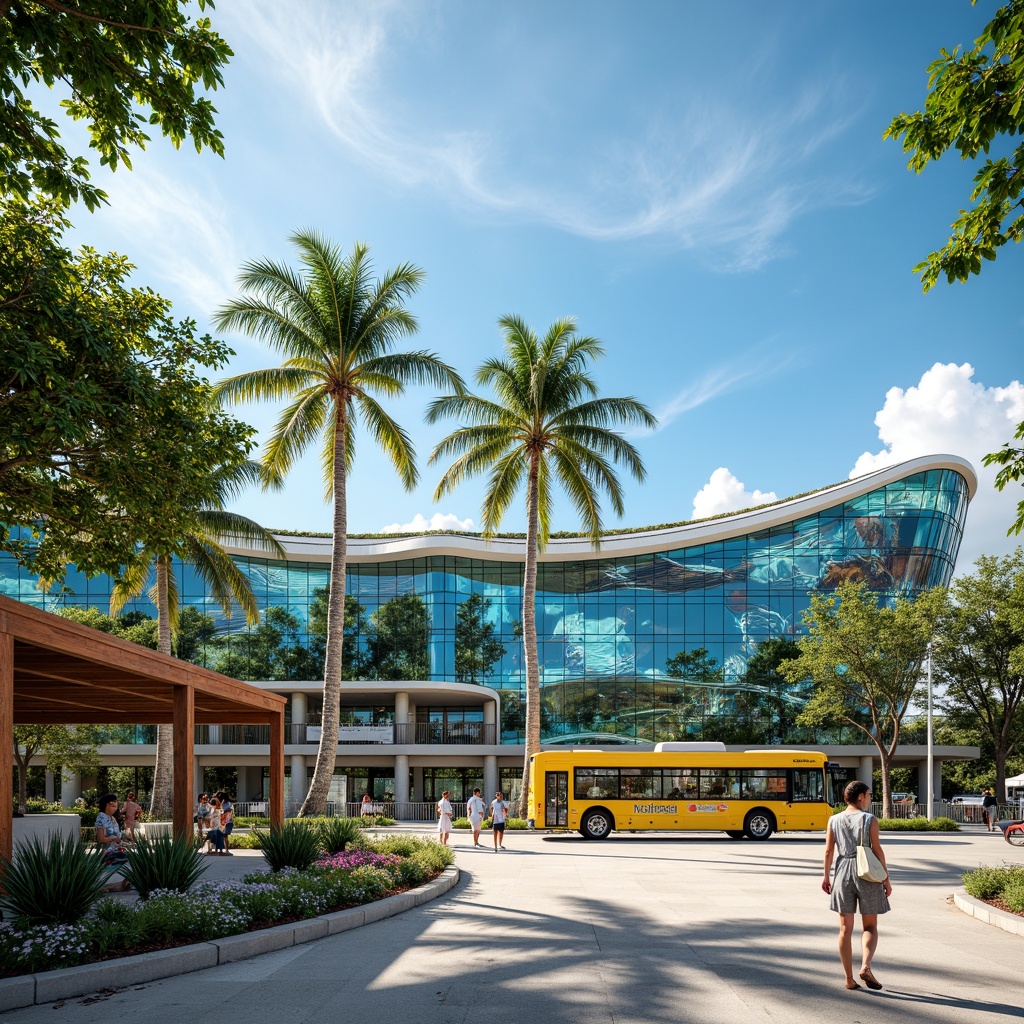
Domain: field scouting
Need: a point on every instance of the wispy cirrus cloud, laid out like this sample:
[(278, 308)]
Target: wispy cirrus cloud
[(723, 179)]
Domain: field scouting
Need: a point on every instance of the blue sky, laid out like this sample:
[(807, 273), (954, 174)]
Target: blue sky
[(704, 187)]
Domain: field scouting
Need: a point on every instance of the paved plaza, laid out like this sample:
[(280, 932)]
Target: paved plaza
[(639, 928)]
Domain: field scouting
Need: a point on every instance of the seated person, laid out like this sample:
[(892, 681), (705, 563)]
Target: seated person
[(109, 838)]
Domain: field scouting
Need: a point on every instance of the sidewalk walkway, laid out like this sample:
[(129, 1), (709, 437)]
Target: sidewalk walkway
[(638, 929)]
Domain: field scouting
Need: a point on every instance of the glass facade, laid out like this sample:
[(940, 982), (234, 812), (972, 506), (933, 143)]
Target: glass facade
[(632, 649)]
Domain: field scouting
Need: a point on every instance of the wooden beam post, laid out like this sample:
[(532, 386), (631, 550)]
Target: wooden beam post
[(277, 769), (184, 748), (6, 741)]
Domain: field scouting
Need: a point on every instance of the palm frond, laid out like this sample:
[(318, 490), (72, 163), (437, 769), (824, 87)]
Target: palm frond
[(297, 426), (132, 581), (219, 525), (505, 480), (263, 385), (478, 459), (224, 580), (391, 439), (466, 406), (420, 367)]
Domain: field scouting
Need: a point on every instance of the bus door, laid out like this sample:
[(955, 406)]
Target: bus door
[(556, 800)]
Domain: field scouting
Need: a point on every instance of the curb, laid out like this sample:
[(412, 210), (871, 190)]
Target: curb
[(1011, 923), (67, 982)]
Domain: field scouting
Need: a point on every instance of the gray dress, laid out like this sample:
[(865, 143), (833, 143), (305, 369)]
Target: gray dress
[(848, 889)]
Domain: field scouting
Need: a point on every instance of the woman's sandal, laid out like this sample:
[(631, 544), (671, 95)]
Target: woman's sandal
[(851, 985), (869, 979)]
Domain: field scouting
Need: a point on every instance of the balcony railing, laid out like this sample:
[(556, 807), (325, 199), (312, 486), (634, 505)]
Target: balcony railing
[(450, 734)]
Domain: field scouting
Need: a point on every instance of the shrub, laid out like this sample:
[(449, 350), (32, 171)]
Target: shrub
[(244, 841), (1013, 894), (986, 882), (918, 825), (250, 821), (55, 882), (376, 821), (296, 845), (431, 856), (163, 862), (511, 824), (462, 823), (45, 947), (166, 917), (112, 925), (336, 834)]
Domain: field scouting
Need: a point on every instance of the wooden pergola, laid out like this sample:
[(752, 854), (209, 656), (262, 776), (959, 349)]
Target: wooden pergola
[(57, 672)]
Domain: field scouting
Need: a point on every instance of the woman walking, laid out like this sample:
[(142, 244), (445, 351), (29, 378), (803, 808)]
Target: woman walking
[(444, 818), (849, 892)]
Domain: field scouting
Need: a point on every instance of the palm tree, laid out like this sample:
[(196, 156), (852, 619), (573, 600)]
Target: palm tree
[(546, 423), (199, 546), (336, 329)]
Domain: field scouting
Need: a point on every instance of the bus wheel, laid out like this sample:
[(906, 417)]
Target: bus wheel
[(735, 833), (596, 824), (758, 824)]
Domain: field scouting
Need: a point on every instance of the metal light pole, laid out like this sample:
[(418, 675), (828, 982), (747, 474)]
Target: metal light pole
[(931, 754)]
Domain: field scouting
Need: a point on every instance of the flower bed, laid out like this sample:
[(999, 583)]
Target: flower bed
[(1000, 887), (210, 910)]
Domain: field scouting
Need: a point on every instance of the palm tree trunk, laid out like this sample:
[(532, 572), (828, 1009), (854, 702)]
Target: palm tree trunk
[(316, 798), (530, 633), (162, 800)]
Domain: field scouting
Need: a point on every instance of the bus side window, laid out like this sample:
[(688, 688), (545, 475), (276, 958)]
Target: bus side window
[(808, 785)]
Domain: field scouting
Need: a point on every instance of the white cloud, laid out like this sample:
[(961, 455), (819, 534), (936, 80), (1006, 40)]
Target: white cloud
[(718, 177), (724, 493), (947, 412), (438, 521)]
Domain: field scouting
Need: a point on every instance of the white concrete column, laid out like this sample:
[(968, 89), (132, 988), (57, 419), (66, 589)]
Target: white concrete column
[(922, 780), (70, 788), (865, 771), (401, 779), (298, 713), (298, 792), (49, 786), (417, 784), (214, 734), (401, 721), (489, 720), (491, 777)]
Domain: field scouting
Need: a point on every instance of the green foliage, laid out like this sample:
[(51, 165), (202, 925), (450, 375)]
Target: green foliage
[(52, 882), (1012, 461), (295, 845), (140, 67), (163, 862), (337, 834), (918, 825), (113, 926), (979, 658), (82, 357), (987, 882), (865, 663), (71, 746), (461, 823), (433, 856), (376, 821), (1013, 895), (477, 649), (396, 646), (511, 824), (975, 96)]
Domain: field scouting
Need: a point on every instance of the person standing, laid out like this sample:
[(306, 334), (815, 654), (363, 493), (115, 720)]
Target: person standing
[(132, 810), (475, 808), (848, 891), (367, 807), (227, 820), (214, 835), (990, 808), (444, 818), (499, 815)]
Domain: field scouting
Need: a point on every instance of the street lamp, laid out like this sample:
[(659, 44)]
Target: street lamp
[(931, 753)]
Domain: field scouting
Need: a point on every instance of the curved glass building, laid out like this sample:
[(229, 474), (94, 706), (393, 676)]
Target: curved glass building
[(662, 633)]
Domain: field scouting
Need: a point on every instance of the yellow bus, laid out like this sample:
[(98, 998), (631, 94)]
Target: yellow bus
[(681, 786)]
